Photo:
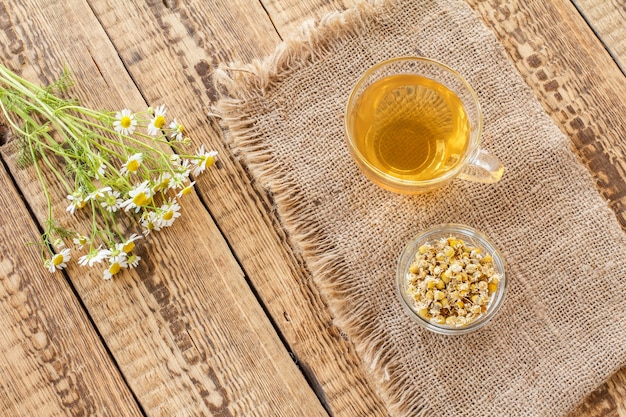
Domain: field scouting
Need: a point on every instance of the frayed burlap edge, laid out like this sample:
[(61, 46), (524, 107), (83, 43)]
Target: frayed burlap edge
[(241, 85)]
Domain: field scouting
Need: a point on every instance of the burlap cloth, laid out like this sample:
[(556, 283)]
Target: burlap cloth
[(562, 330)]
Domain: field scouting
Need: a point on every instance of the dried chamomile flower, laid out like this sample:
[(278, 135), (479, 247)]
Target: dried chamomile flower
[(451, 282)]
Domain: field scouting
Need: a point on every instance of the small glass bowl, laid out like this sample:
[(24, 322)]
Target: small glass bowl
[(470, 236)]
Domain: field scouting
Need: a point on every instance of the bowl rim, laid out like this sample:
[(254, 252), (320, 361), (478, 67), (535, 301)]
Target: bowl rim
[(476, 237)]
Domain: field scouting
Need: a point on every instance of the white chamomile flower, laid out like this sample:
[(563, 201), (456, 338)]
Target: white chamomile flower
[(184, 170), (99, 193), (94, 256), (125, 122), (186, 190), (164, 182), (180, 179), (98, 165), (175, 159), (203, 160), (101, 171), (116, 263), (80, 241), (168, 213), (107, 253), (114, 252), (132, 164), (59, 261), (138, 197), (111, 200), (149, 222), (77, 201), (129, 244), (177, 130), (133, 260), (158, 121), (181, 176)]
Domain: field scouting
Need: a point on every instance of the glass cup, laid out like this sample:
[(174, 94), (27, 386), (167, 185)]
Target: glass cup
[(413, 124), (470, 236)]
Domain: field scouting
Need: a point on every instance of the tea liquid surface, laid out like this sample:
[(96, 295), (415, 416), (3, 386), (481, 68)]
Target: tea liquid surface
[(410, 127)]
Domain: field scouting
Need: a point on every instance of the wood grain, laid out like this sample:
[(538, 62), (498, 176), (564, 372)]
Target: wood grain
[(608, 20), (49, 350), (289, 15), (224, 32), (185, 329), (582, 89)]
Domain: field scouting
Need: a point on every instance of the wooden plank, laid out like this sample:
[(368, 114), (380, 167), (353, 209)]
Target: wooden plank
[(225, 31), (49, 350), (185, 328), (581, 87), (608, 20), (606, 401), (288, 15)]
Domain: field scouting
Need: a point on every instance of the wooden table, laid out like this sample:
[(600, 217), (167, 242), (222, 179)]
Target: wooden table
[(224, 319)]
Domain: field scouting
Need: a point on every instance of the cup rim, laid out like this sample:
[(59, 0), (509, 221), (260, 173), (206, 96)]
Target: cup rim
[(458, 230), (399, 181)]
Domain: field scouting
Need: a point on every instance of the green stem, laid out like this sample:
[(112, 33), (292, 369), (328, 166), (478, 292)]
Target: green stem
[(10, 120), (58, 175), (45, 191)]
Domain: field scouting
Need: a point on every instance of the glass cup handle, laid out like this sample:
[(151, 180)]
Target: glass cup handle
[(483, 167)]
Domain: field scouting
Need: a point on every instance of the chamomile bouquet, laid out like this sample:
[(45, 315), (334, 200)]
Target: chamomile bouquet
[(110, 164)]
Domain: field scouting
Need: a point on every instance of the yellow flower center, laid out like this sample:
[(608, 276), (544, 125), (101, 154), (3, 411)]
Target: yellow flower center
[(81, 204), (82, 240), (132, 165), (186, 190), (128, 247), (159, 121), (180, 128), (57, 260), (140, 200), (125, 122), (168, 215), (165, 182), (210, 160), (114, 268)]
